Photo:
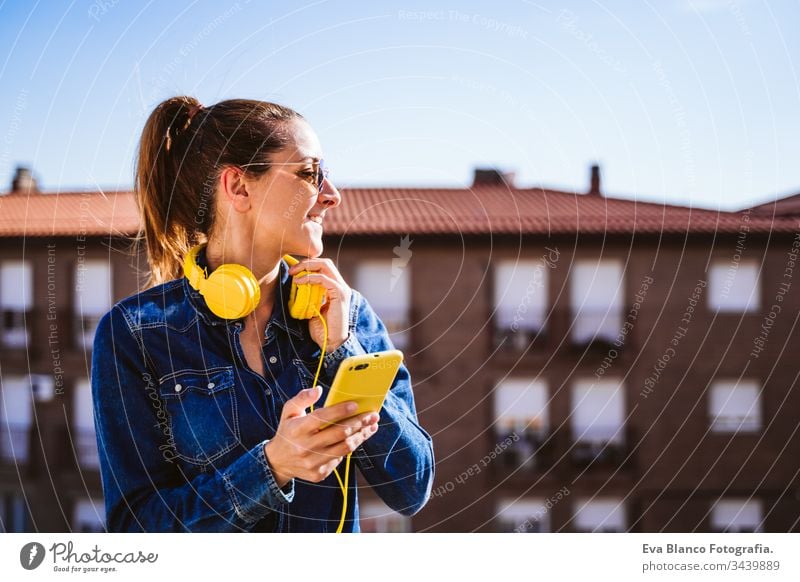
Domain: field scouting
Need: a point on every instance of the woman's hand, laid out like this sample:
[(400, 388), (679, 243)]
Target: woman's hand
[(337, 304), (300, 449)]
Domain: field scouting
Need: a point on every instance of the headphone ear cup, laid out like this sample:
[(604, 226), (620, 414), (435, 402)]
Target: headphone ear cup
[(231, 291), (299, 307), (316, 295), (304, 298)]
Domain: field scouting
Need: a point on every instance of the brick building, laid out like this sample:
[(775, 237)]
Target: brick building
[(583, 363)]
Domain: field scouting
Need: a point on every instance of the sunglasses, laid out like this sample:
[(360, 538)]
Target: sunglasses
[(322, 171)]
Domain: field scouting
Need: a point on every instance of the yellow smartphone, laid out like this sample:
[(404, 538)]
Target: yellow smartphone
[(366, 379)]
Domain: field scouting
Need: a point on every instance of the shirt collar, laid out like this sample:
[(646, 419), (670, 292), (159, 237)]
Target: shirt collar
[(280, 312)]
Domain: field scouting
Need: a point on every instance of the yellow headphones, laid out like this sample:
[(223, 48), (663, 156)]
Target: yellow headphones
[(231, 291), (305, 301)]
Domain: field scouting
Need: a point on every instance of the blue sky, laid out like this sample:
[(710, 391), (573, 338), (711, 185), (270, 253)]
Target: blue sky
[(690, 102)]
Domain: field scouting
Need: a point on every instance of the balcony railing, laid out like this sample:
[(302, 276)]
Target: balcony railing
[(735, 423), (531, 451), (14, 333), (600, 446), (595, 326), (594, 329), (510, 339)]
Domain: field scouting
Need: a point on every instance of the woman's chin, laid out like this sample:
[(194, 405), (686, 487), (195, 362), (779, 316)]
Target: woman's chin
[(312, 247)]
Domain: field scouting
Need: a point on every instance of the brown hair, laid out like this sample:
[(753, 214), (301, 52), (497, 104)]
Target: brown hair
[(183, 149)]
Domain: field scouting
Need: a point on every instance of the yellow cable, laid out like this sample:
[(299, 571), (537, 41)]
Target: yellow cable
[(342, 485)]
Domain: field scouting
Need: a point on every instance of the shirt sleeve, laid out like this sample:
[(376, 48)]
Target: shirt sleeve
[(144, 489), (397, 461)]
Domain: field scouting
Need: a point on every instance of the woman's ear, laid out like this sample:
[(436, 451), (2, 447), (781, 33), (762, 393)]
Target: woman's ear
[(234, 188)]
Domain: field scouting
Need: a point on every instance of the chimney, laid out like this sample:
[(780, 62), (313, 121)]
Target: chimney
[(594, 184), (492, 177), (23, 181)]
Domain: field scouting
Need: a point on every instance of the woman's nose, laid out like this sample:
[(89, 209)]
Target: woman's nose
[(329, 196)]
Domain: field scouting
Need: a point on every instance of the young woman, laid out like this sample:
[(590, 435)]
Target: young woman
[(202, 421)]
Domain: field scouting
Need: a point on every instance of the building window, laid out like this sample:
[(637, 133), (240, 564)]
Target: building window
[(92, 298), (735, 406), (599, 515), (598, 422), (520, 301), (16, 415), (521, 419), (522, 516), (387, 287), (16, 301), (89, 516), (737, 515), (375, 517), (734, 287), (83, 425), (598, 411), (13, 513), (597, 294)]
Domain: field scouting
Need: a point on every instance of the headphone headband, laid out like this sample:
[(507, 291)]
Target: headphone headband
[(192, 270)]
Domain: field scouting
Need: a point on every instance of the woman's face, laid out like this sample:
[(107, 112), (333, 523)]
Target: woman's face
[(288, 207)]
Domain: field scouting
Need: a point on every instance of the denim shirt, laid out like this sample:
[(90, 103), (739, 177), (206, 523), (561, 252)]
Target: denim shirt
[(182, 420)]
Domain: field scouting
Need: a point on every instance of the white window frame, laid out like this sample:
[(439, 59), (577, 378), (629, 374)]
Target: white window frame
[(382, 279), (91, 513), (602, 321), (724, 393), (16, 302), (723, 294), (83, 425), (16, 400), (527, 515), (613, 406), (613, 508), (99, 298), (520, 296), (737, 515), (521, 405)]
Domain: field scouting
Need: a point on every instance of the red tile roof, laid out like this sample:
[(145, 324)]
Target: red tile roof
[(480, 210), (68, 214), (788, 206)]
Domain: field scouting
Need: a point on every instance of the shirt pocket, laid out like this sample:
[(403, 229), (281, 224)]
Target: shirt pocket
[(203, 413)]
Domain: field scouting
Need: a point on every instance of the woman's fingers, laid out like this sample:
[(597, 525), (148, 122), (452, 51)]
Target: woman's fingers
[(351, 443), (321, 265), (312, 456), (343, 429), (313, 423), (336, 289)]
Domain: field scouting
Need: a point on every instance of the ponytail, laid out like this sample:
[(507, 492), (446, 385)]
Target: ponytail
[(184, 147)]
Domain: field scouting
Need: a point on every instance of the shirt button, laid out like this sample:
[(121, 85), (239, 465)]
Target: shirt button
[(272, 359), (211, 385), (178, 387)]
